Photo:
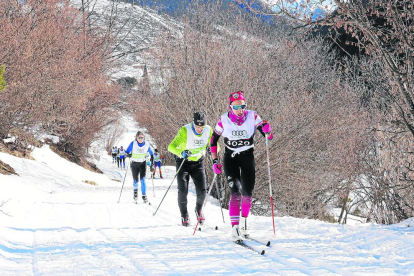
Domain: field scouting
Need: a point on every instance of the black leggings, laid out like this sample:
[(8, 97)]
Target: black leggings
[(197, 172), (240, 172), (138, 168)]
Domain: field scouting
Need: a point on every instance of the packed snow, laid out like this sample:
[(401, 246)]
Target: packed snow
[(53, 223)]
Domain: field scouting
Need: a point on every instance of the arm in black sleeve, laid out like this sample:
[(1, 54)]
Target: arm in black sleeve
[(260, 128), (214, 139)]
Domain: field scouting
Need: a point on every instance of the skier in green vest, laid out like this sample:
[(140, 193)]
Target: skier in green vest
[(189, 146)]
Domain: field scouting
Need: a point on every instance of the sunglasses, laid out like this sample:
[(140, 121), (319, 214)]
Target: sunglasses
[(240, 106), (199, 126), (140, 137)]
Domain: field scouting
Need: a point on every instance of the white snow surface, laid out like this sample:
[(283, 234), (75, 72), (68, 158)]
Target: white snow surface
[(53, 223)]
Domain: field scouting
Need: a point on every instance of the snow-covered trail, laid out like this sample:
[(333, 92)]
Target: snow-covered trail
[(59, 225)]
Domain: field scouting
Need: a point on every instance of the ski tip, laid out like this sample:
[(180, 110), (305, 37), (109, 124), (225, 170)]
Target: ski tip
[(263, 252), (216, 228)]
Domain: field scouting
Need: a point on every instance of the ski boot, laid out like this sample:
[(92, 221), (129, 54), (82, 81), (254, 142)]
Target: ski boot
[(235, 233), (244, 231), (135, 195), (144, 198), (185, 220), (161, 176), (200, 216)]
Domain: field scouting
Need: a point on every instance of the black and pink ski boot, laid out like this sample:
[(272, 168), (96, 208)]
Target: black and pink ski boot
[(185, 220), (200, 216)]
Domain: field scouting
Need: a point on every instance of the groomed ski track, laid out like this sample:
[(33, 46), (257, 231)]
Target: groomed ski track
[(58, 225)]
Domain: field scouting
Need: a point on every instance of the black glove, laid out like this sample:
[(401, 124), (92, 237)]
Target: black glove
[(152, 169), (208, 150), (185, 154), (128, 155)]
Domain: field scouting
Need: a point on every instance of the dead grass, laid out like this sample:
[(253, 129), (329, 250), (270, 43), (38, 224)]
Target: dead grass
[(7, 148), (91, 182), (6, 169)]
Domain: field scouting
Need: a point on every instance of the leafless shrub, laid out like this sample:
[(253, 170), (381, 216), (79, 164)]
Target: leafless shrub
[(110, 135), (56, 81)]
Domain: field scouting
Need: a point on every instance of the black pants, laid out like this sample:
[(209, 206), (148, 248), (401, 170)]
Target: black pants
[(138, 168), (240, 171), (197, 172)]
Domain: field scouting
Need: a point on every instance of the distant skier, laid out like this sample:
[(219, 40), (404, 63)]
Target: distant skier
[(190, 145), (122, 157), (114, 152), (157, 162), (117, 157), (138, 150), (238, 127)]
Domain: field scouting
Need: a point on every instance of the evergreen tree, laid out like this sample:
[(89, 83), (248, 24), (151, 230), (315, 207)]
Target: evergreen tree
[(2, 82)]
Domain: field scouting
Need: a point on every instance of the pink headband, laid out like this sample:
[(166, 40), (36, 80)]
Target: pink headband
[(238, 95)]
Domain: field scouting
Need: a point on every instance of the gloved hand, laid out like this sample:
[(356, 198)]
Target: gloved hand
[(128, 155), (268, 130), (152, 169), (266, 127), (185, 154), (149, 163), (217, 166)]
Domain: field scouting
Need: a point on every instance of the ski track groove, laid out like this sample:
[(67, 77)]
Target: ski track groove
[(35, 265), (115, 251), (274, 254), (128, 255), (155, 255)]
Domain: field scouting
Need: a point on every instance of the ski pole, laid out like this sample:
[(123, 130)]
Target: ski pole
[(126, 171), (153, 188), (205, 201), (219, 197), (182, 163), (270, 183), (218, 192)]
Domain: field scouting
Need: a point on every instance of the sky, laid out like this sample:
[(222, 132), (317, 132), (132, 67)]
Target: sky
[(53, 223)]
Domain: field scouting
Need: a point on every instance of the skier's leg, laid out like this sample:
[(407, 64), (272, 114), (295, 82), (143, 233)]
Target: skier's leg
[(135, 171), (142, 172), (248, 177), (232, 172), (182, 185), (198, 175)]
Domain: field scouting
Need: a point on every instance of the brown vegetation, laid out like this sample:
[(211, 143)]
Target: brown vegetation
[(6, 169), (56, 82)]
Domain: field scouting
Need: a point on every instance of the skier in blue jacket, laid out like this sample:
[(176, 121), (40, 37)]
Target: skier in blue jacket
[(138, 150)]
